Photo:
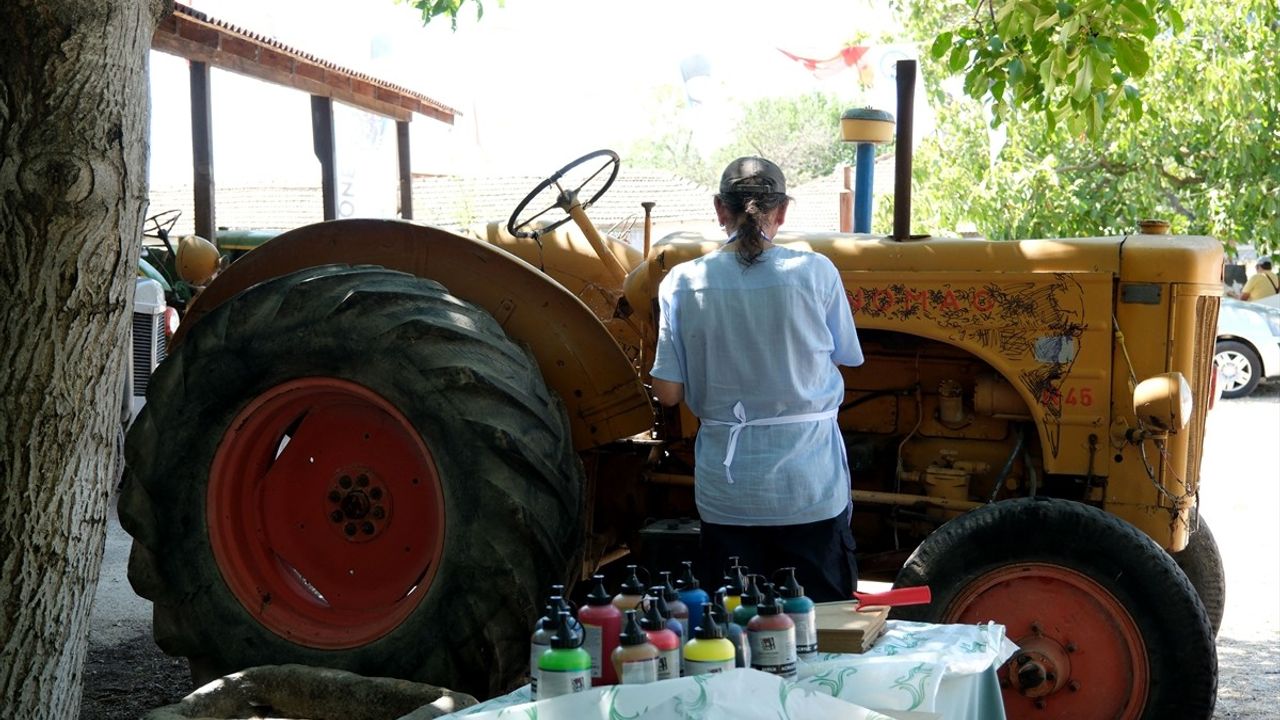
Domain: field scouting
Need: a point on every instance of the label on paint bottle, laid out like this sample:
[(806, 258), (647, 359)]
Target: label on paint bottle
[(638, 672), (555, 683), (806, 633), (593, 643), (535, 652), (774, 652), (669, 664), (706, 667)]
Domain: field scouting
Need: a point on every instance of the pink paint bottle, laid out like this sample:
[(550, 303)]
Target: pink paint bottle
[(773, 637)]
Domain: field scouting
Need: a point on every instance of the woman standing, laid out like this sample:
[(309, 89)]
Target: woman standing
[(750, 337)]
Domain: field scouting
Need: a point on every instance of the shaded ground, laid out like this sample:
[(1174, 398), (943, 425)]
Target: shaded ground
[(126, 675)]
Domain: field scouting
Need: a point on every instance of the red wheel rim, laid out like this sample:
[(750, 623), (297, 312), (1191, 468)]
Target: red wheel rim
[(325, 513), (1084, 643)]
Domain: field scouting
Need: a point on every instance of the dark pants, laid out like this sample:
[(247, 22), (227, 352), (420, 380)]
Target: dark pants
[(821, 552)]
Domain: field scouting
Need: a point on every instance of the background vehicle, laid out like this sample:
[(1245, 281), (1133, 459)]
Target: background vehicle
[(1248, 347), (405, 436)]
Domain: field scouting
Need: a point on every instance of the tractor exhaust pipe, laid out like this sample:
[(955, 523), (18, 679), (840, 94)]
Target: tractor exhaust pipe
[(902, 150)]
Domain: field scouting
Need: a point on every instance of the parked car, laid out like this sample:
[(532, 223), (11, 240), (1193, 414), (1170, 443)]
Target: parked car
[(1248, 347)]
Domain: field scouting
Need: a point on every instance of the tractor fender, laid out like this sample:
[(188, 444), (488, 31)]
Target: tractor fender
[(578, 357)]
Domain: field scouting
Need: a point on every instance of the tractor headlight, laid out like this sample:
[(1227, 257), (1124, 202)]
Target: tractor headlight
[(1164, 402)]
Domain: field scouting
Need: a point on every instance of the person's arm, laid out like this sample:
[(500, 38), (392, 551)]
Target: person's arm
[(668, 393), (1250, 286), (847, 351), (667, 372)]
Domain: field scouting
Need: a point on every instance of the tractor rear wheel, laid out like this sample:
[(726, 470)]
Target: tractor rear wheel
[(350, 467), (1106, 623)]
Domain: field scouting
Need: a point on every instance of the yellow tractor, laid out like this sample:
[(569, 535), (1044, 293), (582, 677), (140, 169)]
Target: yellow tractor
[(375, 445)]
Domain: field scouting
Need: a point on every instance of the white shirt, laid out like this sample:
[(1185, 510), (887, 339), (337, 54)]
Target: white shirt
[(768, 336)]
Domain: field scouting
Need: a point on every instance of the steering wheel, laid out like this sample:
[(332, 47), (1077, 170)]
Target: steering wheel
[(562, 199)]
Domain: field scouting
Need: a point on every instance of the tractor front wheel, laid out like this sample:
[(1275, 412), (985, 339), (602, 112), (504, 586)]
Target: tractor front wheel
[(352, 468), (1106, 623)]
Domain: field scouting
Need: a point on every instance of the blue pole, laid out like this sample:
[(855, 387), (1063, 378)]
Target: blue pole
[(866, 166)]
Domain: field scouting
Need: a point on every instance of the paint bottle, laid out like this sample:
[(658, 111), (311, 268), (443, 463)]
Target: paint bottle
[(800, 609), (635, 660), (733, 632), (734, 580), (773, 638), (543, 628), (679, 611), (559, 602), (631, 592), (750, 597), (693, 596), (601, 625), (565, 668), (663, 638), (658, 596), (708, 652)]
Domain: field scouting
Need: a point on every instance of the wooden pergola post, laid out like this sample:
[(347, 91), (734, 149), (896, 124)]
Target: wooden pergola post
[(205, 220), (406, 175), (322, 137)]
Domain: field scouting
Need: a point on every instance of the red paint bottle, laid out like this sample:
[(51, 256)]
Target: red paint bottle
[(662, 637), (601, 626)]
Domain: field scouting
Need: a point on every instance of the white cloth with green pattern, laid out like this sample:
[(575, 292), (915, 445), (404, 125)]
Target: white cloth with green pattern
[(942, 670)]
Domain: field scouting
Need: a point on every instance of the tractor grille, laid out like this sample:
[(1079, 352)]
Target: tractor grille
[(1201, 381), (148, 349)]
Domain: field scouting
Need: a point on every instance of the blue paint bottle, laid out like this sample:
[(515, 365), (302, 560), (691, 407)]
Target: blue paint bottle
[(691, 594)]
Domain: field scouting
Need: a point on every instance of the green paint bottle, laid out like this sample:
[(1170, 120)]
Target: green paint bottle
[(750, 598), (708, 652), (565, 668)]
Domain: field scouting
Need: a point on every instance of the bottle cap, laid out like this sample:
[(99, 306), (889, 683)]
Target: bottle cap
[(687, 580), (652, 619), (770, 604), (657, 596), (548, 619), (632, 585), (790, 587), (737, 574), (669, 592), (598, 596), (564, 636), (709, 630), (751, 593), (718, 611), (632, 633)]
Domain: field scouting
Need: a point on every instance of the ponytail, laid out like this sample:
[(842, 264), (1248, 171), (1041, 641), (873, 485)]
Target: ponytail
[(749, 210)]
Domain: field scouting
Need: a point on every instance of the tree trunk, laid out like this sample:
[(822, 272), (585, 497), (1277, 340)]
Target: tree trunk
[(73, 149)]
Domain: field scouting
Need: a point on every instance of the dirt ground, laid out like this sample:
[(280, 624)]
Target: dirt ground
[(126, 675)]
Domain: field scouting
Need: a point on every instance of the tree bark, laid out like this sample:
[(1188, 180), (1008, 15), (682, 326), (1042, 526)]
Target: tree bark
[(73, 150)]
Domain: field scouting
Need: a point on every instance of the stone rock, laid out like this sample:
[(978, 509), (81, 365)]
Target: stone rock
[(302, 692)]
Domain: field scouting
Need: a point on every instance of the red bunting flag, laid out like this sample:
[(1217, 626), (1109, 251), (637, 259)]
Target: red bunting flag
[(847, 57)]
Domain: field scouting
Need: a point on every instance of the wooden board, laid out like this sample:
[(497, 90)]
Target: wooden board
[(841, 628)]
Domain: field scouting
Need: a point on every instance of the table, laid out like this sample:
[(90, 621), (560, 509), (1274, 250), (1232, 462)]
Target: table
[(913, 672)]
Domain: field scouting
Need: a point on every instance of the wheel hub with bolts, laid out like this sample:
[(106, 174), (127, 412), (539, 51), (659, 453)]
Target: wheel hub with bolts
[(1041, 668), (360, 506)]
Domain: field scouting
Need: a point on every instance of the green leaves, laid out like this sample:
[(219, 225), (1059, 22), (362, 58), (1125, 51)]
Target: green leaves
[(432, 9), (1073, 47), (1107, 124)]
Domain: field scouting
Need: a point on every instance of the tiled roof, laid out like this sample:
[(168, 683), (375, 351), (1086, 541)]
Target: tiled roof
[(191, 34), (448, 201), (453, 201), (817, 205)]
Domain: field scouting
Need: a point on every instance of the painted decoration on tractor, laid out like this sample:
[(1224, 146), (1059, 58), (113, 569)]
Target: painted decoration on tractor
[(1039, 324)]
